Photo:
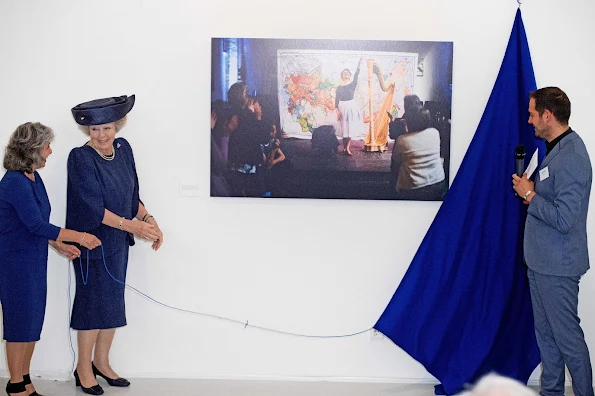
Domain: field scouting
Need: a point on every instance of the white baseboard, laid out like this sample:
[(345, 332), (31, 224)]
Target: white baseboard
[(67, 375), (56, 375), (380, 380), (49, 375)]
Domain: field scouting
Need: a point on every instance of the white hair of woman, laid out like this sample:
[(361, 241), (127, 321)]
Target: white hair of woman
[(497, 385)]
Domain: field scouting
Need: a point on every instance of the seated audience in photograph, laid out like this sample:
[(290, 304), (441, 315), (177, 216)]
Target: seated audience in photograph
[(443, 126), (245, 153), (417, 158), (277, 165), (272, 149), (250, 103), (396, 128), (440, 112), (224, 123)]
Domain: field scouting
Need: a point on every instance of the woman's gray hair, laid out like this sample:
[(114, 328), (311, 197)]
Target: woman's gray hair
[(23, 152), (119, 125), (497, 385)]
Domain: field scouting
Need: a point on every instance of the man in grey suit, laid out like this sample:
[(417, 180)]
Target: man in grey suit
[(555, 243)]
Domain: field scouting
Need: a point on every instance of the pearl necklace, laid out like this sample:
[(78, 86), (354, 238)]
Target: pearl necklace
[(105, 157)]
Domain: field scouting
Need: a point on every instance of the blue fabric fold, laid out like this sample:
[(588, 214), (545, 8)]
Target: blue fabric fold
[(463, 308)]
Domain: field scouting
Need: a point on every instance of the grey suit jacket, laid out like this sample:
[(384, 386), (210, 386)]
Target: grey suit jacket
[(555, 240)]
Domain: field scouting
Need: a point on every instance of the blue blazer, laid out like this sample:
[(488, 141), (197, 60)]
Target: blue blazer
[(555, 240)]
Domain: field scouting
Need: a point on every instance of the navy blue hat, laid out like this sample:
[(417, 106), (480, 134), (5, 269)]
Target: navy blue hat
[(103, 111)]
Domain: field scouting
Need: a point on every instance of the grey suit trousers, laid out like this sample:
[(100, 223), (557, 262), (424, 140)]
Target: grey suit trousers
[(559, 335)]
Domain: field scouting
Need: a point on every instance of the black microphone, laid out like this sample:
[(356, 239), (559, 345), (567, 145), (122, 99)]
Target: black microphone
[(519, 159)]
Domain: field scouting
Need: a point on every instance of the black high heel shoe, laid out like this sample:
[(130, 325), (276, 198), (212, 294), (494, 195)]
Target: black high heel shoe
[(122, 382), (27, 381), (94, 390), (15, 388)]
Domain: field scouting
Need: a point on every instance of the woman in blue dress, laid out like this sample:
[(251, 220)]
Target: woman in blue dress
[(25, 232), (103, 198)]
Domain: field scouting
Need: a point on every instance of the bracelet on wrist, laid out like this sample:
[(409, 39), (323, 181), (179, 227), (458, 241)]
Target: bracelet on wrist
[(121, 221), (83, 238), (527, 195)]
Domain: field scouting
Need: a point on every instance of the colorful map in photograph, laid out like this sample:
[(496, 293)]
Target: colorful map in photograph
[(307, 80)]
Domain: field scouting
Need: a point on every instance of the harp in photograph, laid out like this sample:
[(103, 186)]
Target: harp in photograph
[(377, 136)]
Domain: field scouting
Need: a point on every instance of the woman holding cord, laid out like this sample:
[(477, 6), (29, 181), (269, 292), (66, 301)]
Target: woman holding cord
[(25, 232), (103, 198)]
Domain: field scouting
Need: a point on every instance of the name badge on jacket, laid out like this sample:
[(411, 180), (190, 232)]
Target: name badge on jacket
[(544, 174)]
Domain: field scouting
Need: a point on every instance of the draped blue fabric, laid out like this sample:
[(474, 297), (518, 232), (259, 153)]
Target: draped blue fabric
[(463, 308)]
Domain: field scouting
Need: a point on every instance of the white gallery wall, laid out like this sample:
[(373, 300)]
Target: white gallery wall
[(321, 267)]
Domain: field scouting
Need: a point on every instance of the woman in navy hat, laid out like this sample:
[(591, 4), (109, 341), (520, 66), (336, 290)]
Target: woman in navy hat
[(25, 232), (103, 198)]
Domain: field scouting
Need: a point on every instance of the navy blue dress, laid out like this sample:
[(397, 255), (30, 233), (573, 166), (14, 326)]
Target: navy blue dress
[(95, 184), (24, 234)]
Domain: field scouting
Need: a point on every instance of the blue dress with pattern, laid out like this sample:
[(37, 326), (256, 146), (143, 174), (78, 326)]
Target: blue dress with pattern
[(96, 184)]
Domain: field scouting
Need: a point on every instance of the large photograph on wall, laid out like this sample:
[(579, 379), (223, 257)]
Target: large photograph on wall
[(343, 119)]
